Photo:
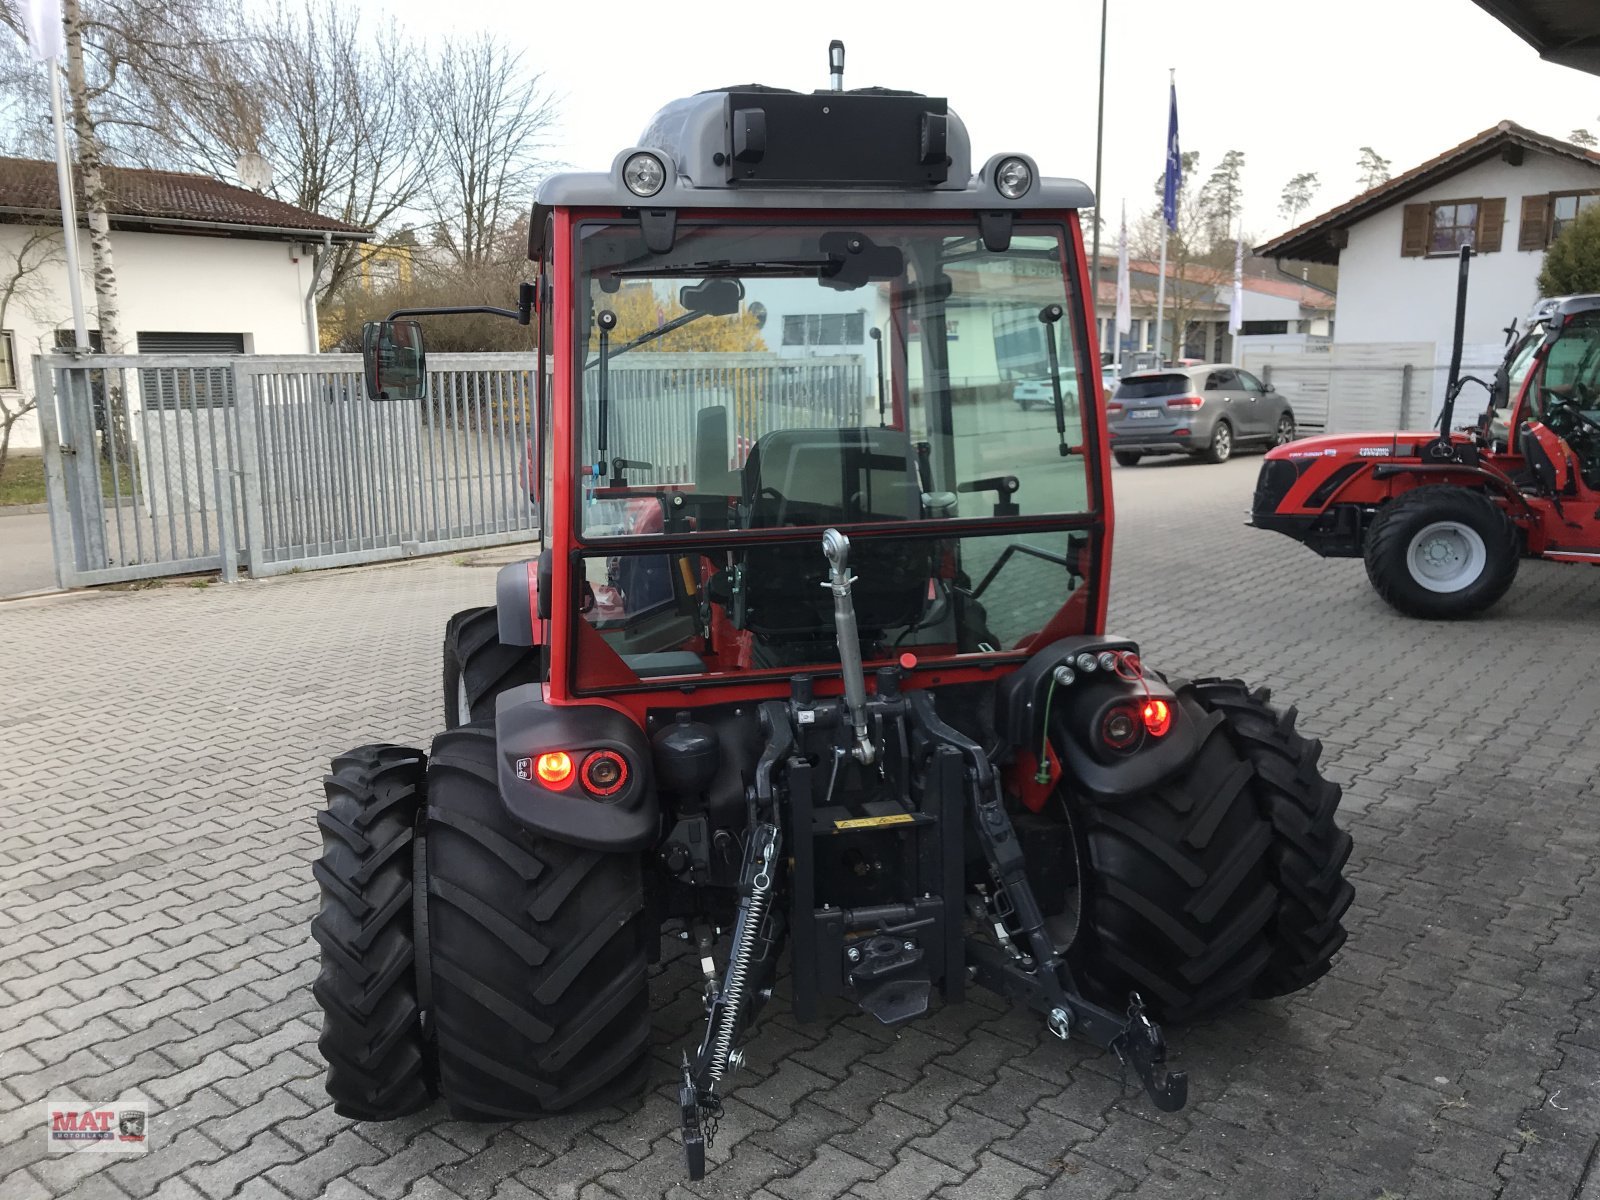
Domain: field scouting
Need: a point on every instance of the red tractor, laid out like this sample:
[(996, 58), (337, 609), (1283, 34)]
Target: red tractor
[(1442, 518), (814, 657)]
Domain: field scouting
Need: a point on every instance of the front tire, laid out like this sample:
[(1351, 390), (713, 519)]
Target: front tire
[(1309, 850), (1441, 552), (1286, 431), (378, 1065), (1176, 899), (538, 952), (478, 666)]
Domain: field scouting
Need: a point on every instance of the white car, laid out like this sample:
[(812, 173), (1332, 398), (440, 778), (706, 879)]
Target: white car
[(1030, 392)]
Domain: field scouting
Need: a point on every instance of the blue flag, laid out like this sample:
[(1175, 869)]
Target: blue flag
[(1169, 200)]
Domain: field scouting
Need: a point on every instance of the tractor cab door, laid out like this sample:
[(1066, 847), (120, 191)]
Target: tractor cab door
[(1563, 397)]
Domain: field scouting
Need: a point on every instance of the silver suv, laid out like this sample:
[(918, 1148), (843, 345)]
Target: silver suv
[(1207, 410)]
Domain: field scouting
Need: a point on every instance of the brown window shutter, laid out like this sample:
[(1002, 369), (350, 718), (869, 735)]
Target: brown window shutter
[(1534, 231), (1491, 225), (1414, 231)]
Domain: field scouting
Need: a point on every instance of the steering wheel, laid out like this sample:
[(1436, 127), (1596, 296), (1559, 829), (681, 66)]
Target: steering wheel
[(1569, 406)]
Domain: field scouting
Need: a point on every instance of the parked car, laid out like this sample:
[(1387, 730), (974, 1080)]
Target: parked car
[(1030, 392), (1207, 410)]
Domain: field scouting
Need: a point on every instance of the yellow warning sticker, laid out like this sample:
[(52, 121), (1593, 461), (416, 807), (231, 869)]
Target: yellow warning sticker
[(875, 822)]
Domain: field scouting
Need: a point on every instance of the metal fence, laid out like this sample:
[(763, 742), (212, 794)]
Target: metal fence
[(1336, 396), (175, 464), (655, 400)]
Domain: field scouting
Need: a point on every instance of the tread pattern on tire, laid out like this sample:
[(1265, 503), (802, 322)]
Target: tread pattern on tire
[(1388, 542), (1176, 901), (541, 1002), (372, 1039), (1309, 850), (473, 652)]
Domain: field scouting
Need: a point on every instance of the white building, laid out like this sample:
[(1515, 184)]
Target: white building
[(202, 266), (1507, 192)]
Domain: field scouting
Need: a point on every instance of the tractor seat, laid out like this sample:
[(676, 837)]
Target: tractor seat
[(1545, 479), (828, 476), (823, 477)]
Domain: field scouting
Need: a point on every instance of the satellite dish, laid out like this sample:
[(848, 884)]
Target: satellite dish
[(254, 171)]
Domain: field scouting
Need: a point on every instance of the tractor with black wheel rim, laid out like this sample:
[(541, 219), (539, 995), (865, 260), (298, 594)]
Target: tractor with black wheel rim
[(1442, 518), (825, 679)]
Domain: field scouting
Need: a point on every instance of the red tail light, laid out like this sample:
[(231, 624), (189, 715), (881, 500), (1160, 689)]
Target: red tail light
[(1113, 410), (1119, 729), (604, 773), (1186, 402)]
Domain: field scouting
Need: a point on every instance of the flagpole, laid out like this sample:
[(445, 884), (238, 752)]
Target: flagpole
[(1099, 203), (1161, 291), (1166, 234), (69, 214), (1122, 321)]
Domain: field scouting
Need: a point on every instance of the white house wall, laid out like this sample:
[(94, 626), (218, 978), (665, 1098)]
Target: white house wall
[(1384, 297), (167, 283)]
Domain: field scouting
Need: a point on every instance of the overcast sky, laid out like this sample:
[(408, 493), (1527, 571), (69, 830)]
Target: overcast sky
[(1297, 86)]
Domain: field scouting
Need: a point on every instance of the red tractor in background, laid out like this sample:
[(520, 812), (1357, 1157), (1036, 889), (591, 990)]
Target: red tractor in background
[(814, 657), (1443, 518)]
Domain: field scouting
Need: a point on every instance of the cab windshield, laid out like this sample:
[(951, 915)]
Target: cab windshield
[(790, 377)]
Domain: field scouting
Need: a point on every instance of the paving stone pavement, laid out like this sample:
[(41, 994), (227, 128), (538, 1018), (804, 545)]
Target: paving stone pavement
[(159, 756)]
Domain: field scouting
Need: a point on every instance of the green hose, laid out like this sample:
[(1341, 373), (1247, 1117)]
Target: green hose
[(1042, 775)]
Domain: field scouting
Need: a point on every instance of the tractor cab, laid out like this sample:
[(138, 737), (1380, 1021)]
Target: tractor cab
[(813, 657)]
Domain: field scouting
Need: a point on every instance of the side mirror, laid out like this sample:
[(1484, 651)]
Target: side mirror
[(394, 360)]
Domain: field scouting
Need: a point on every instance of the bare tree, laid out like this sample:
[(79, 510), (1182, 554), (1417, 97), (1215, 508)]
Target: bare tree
[(1582, 137), (1186, 246), (20, 282), (490, 118), (330, 97)]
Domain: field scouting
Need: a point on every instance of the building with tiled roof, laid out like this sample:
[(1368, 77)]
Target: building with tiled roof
[(1507, 192), (202, 266)]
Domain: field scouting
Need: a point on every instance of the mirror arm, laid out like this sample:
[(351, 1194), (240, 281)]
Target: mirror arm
[(521, 314)]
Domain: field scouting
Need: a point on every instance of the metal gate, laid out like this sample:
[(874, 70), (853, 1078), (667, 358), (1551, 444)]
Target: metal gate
[(171, 464)]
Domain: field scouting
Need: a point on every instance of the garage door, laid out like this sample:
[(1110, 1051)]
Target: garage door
[(174, 387)]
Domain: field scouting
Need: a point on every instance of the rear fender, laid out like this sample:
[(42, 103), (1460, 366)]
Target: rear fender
[(1077, 712), (526, 726), (516, 598)]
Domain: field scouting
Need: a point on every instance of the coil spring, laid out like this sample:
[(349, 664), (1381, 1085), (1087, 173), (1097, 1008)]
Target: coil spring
[(751, 915)]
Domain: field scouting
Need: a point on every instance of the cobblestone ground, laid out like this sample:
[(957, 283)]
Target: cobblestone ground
[(160, 755)]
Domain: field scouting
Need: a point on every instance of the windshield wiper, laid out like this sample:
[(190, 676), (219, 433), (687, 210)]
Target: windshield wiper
[(648, 336), (772, 266)]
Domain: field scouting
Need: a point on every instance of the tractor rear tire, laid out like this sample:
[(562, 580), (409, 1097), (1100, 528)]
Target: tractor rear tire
[(478, 666), (1309, 850), (537, 952), (1478, 552), (372, 1038), (1176, 899)]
